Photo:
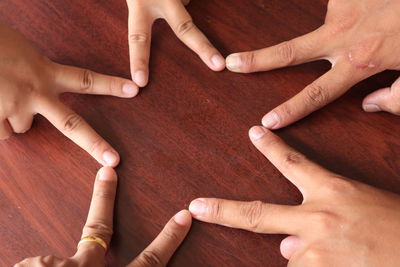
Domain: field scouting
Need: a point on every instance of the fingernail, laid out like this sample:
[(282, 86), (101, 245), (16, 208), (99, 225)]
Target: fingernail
[(371, 108), (218, 61), (198, 207), (233, 62), (271, 120), (129, 89), (105, 173), (256, 133), (110, 157), (140, 78), (182, 218)]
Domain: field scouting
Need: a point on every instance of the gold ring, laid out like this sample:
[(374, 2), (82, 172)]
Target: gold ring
[(95, 239)]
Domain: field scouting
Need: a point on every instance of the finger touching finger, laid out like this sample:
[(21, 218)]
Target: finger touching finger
[(252, 216), (163, 247), (303, 49), (83, 81), (99, 222), (78, 130), (386, 99), (139, 28), (182, 24), (318, 94)]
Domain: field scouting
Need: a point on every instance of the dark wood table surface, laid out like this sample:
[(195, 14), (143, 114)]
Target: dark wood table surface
[(184, 136)]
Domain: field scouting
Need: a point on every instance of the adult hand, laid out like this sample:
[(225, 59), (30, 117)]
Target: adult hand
[(31, 84), (360, 38), (340, 222), (143, 13), (99, 224)]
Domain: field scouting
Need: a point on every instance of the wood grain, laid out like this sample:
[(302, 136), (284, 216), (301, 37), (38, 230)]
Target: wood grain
[(184, 136)]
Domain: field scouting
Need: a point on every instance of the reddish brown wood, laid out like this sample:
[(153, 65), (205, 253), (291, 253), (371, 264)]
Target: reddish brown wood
[(184, 136)]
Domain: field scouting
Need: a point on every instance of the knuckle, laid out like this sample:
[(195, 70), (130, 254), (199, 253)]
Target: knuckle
[(139, 37), (215, 209), (86, 80), (170, 235), (96, 145), (71, 122), (294, 158), (312, 256), (99, 229), (252, 212), (249, 62), (185, 27), (338, 184), (149, 258), (317, 95), (286, 52), (323, 220)]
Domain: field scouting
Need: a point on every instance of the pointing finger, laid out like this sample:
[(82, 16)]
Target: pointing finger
[(83, 81), (78, 130)]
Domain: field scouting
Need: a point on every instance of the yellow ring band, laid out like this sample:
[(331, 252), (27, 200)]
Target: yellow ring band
[(95, 239)]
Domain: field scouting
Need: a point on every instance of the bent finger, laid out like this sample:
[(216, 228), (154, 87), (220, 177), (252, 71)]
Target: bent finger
[(386, 99)]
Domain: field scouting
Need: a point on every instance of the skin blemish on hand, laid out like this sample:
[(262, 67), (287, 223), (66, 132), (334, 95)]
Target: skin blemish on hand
[(363, 54)]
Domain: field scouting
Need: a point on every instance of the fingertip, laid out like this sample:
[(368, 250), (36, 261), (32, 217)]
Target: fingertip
[(218, 62), (130, 90), (198, 207), (140, 77), (183, 218), (288, 246), (234, 62), (107, 174), (271, 120), (111, 158), (257, 132)]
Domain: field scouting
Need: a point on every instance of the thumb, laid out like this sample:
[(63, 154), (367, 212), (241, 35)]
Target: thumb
[(386, 99)]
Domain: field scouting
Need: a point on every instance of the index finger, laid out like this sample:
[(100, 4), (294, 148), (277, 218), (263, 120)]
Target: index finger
[(318, 94), (302, 172), (163, 247), (99, 222), (78, 130), (253, 216), (182, 24)]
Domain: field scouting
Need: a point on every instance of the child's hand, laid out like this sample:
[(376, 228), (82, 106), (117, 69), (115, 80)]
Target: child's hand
[(30, 83), (143, 13)]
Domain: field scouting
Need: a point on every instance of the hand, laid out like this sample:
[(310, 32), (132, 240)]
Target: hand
[(340, 222), (31, 83), (100, 224), (360, 38), (143, 13)]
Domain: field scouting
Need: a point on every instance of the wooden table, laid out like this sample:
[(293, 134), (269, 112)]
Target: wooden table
[(184, 136)]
